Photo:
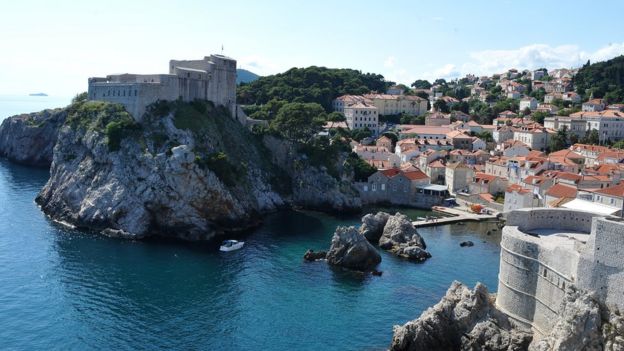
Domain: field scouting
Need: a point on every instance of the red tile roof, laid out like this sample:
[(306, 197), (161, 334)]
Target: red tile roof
[(561, 190)]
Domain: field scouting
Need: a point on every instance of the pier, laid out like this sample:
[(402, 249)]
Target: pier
[(456, 215)]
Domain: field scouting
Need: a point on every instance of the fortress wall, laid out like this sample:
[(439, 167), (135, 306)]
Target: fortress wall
[(601, 268), (532, 279), (563, 219)]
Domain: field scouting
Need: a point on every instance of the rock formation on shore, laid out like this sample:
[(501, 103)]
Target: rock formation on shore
[(468, 320), (29, 139), (400, 237), (350, 249), (188, 170), (373, 225)]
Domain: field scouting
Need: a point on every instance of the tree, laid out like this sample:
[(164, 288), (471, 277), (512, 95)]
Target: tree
[(539, 116), (559, 140), (421, 84), (485, 136), (591, 137), (299, 121), (526, 111), (361, 133), (336, 117), (392, 136), (440, 105), (619, 145)]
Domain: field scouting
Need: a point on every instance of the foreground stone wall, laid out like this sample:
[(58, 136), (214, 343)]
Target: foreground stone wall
[(536, 269)]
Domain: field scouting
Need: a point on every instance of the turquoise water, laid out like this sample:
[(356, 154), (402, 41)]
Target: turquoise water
[(66, 290), (61, 289)]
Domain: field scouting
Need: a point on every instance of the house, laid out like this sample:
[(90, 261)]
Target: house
[(560, 191), (517, 197), (612, 196), (548, 108), (538, 74), (593, 105), (608, 123), (478, 144), (377, 156), (571, 96), (528, 102), (424, 132), (574, 126), (474, 127), (516, 95), (387, 104), (362, 115), (550, 97), (437, 119), (513, 148), (385, 142), (339, 103), (457, 177), (507, 114), (566, 160), (487, 183), (461, 156), (460, 140), (616, 107), (395, 185), (534, 138), (436, 171), (502, 134)]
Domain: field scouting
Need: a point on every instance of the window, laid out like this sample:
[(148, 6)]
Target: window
[(383, 187), (374, 187)]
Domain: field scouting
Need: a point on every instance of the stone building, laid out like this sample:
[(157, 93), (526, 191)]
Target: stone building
[(212, 78), (543, 251)]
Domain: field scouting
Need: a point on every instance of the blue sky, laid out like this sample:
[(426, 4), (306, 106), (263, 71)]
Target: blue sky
[(54, 46)]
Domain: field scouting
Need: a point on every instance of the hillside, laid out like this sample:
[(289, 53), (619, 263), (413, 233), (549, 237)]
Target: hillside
[(602, 80), (245, 76), (188, 170), (312, 84)]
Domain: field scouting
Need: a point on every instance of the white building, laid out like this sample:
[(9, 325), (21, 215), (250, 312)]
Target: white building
[(362, 115), (528, 102)]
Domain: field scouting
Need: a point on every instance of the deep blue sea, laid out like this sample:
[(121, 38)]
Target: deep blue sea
[(66, 290)]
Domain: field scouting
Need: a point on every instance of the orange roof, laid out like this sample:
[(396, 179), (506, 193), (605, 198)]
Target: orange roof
[(617, 190), (487, 197), (437, 164), (484, 177), (391, 172), (561, 190), (517, 188), (416, 175)]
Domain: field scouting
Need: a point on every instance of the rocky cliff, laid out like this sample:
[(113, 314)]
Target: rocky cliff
[(30, 138), (468, 320), (187, 171)]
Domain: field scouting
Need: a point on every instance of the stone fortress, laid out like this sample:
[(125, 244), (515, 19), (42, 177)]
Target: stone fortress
[(213, 78), (545, 250)]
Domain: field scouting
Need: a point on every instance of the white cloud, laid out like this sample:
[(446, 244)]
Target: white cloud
[(536, 56), (389, 62)]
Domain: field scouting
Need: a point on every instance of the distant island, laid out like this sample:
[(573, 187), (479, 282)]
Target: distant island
[(38, 94), (245, 76)]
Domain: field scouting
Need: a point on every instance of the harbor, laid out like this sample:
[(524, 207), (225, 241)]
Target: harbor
[(454, 215)]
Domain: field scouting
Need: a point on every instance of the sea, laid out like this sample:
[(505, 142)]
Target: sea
[(62, 289)]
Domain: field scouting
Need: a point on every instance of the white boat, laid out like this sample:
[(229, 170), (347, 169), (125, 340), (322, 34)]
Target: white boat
[(231, 245)]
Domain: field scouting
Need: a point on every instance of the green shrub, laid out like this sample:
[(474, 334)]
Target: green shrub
[(219, 163)]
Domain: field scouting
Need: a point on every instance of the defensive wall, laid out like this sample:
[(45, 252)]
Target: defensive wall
[(545, 250)]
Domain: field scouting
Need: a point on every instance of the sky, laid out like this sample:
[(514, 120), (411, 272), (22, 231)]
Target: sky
[(54, 46)]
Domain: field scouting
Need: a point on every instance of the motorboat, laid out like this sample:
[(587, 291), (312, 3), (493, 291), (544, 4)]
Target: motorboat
[(231, 245)]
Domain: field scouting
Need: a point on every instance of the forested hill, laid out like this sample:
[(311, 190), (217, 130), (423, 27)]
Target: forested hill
[(602, 80), (311, 84)]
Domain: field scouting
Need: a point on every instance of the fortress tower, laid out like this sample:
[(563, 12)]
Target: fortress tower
[(212, 78)]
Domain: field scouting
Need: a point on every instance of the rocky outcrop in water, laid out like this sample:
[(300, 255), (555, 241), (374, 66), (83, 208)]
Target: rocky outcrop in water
[(187, 171), (30, 138), (401, 238), (468, 320), (350, 249), (373, 225), (312, 255), (463, 320)]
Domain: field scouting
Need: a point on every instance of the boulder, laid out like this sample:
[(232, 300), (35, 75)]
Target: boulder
[(373, 225), (463, 320), (350, 249), (401, 238), (466, 243), (311, 255)]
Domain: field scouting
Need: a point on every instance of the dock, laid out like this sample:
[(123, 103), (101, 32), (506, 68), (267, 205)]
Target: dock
[(455, 216)]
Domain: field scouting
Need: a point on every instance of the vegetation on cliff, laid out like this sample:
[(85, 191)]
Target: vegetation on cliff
[(312, 84)]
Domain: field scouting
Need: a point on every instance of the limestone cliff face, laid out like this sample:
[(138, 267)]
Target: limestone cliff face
[(187, 171), (30, 138)]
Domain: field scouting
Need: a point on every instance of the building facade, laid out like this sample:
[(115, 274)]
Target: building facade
[(212, 78)]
